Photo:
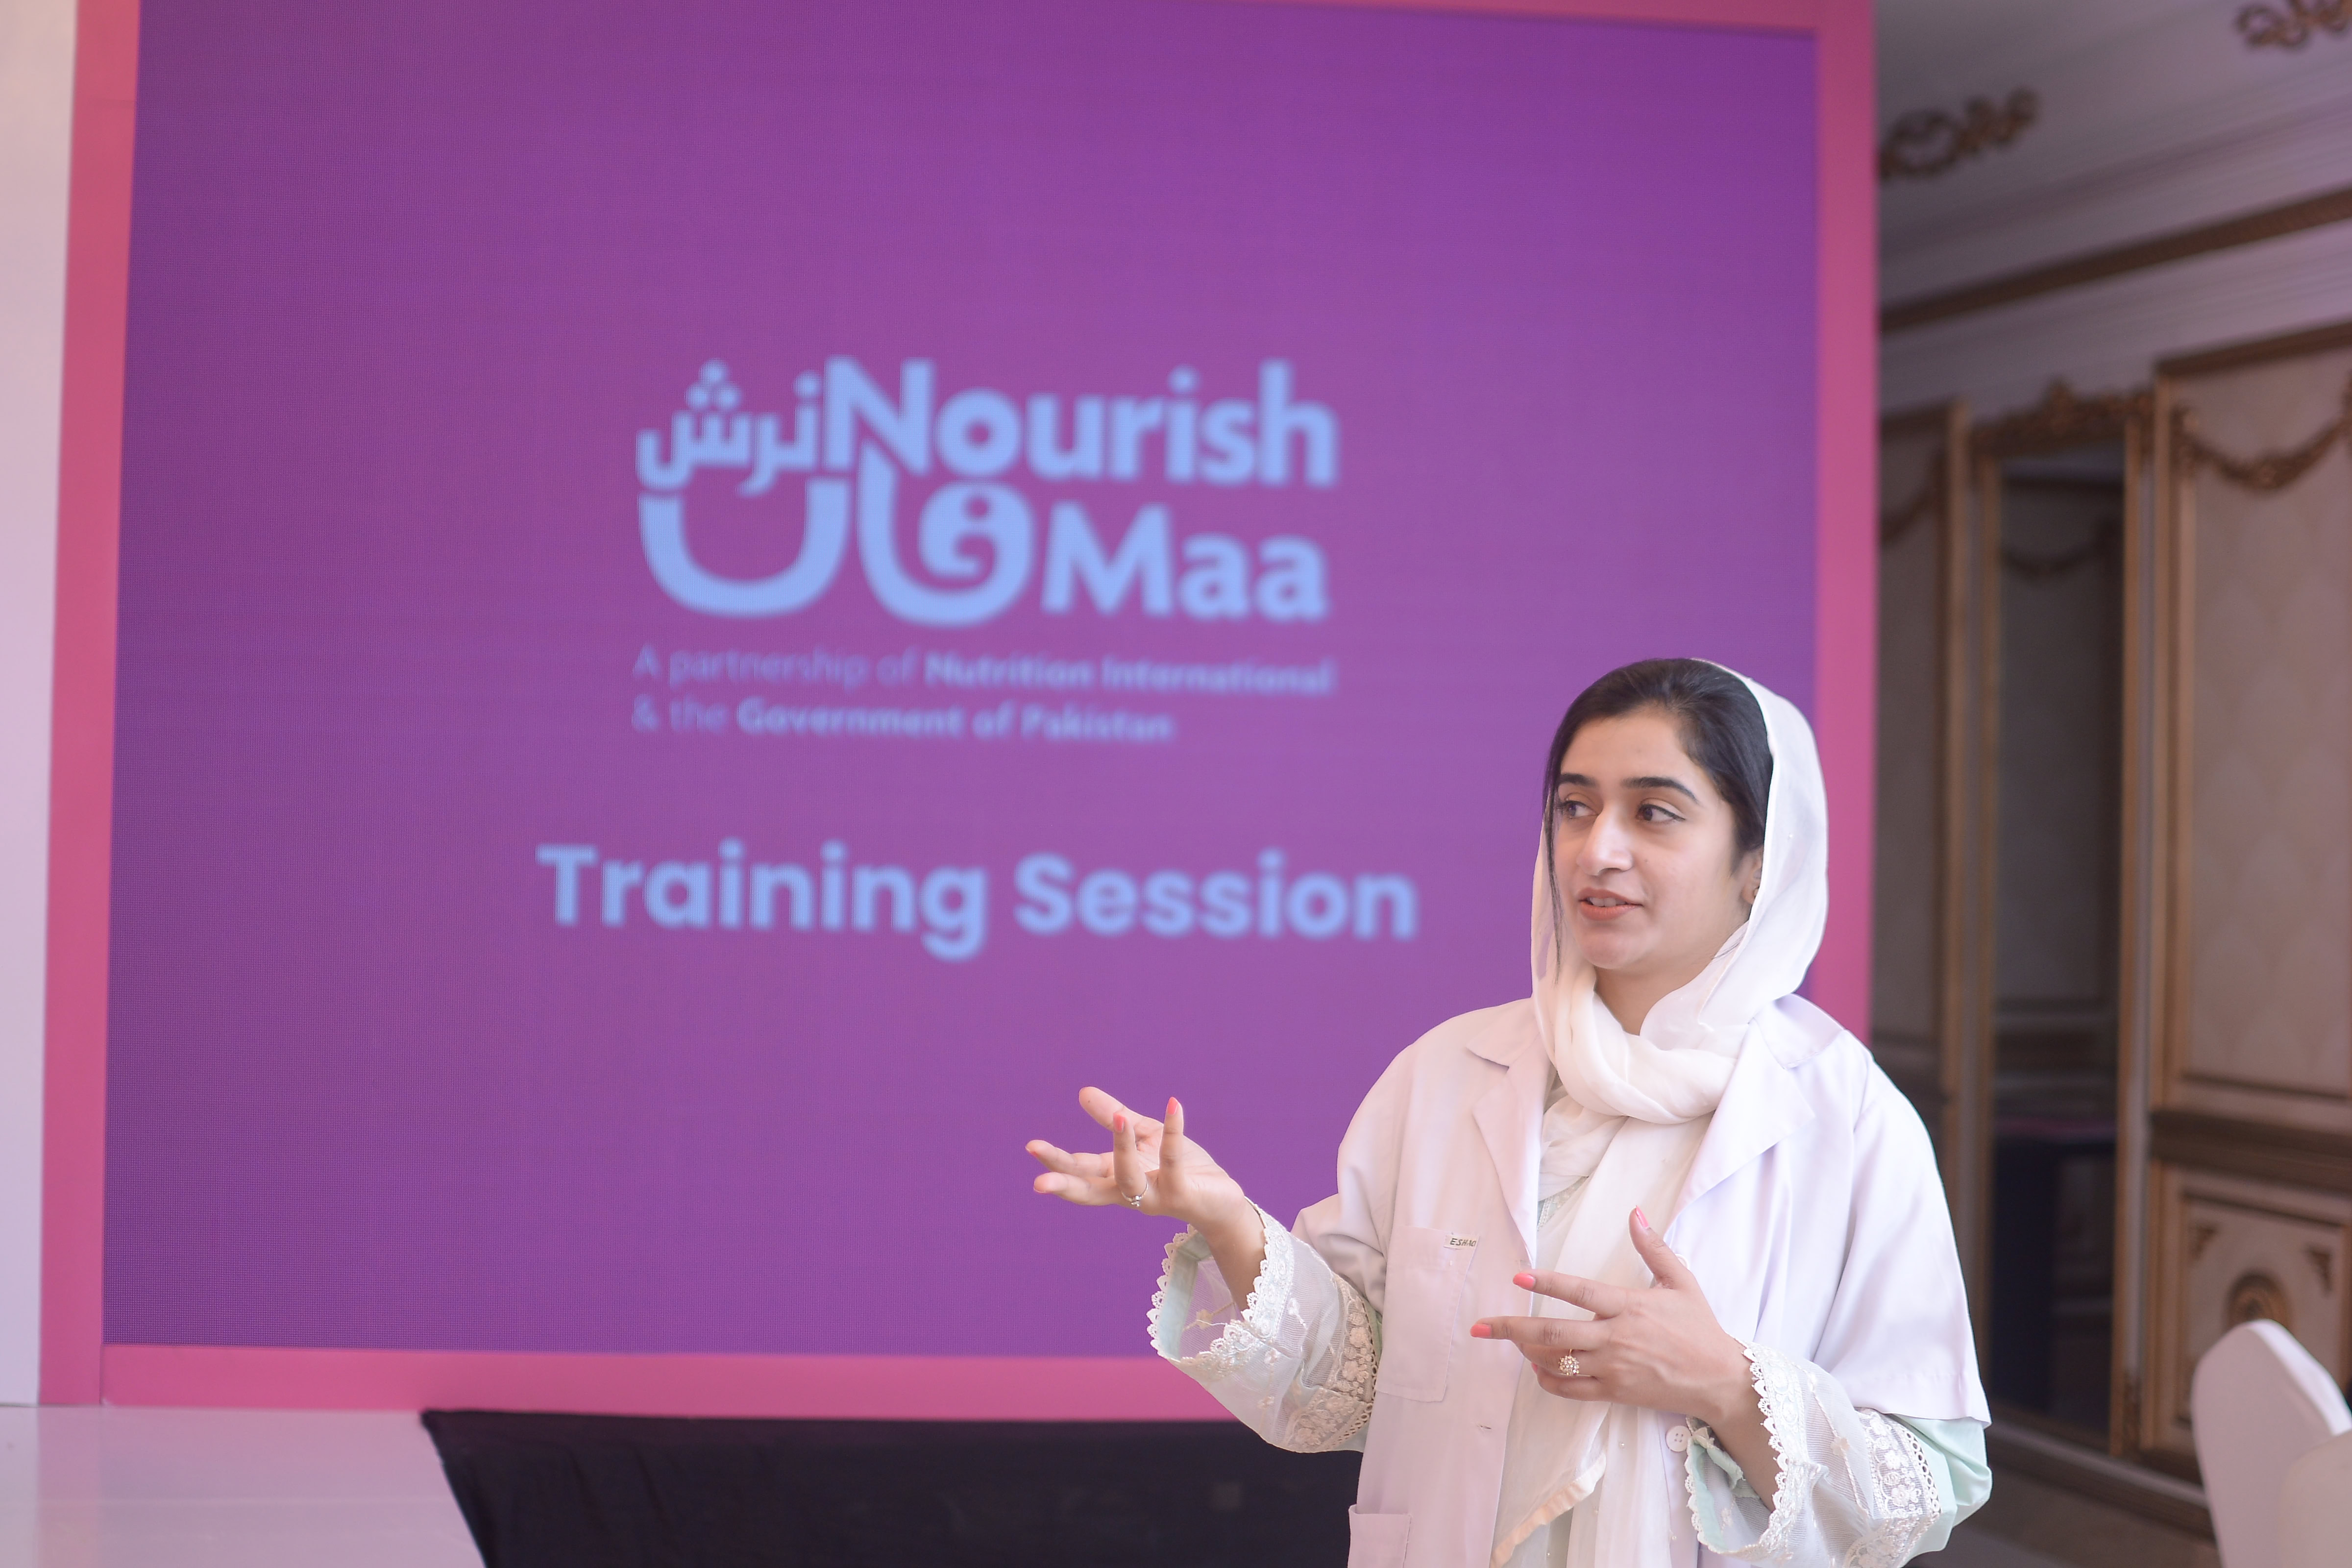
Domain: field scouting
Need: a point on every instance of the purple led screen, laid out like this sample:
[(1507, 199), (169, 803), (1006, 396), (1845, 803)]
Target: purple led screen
[(722, 605)]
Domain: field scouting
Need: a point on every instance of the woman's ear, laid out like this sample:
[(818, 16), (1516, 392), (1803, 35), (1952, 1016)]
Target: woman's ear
[(1751, 879)]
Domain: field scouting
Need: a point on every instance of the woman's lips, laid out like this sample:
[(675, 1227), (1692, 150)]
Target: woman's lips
[(1596, 906)]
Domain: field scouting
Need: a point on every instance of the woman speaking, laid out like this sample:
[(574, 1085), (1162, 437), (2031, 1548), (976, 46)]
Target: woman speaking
[(1648, 1269)]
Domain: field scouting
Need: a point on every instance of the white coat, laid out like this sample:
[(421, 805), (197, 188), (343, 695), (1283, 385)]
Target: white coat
[(1812, 1216)]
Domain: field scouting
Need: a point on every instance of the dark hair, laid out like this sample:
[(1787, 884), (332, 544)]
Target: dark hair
[(1722, 727)]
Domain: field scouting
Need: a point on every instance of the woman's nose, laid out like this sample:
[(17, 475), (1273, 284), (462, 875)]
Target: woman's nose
[(1607, 847)]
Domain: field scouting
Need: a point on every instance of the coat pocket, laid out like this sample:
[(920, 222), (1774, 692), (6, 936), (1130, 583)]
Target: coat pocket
[(1377, 1540), (1421, 1320)]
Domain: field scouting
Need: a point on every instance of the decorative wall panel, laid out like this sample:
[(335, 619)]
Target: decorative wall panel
[(2265, 1030), (2230, 1250)]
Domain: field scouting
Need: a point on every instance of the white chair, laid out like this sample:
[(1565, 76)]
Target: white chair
[(2315, 1507), (2259, 1403)]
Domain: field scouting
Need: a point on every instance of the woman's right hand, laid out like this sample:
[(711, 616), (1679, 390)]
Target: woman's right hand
[(1152, 1159)]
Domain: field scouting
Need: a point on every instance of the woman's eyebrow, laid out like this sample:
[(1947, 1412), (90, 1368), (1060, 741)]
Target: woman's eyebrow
[(1647, 781)]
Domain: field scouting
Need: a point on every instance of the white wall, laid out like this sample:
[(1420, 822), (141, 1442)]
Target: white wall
[(37, 43)]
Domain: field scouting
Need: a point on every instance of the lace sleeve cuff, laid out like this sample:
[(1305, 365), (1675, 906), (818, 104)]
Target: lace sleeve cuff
[(1909, 1501), (1194, 1321), (1780, 1391), (1857, 1489), (1728, 1515), (1297, 1362)]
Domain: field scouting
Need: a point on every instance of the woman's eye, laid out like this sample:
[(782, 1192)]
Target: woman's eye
[(1574, 808), (1656, 813)]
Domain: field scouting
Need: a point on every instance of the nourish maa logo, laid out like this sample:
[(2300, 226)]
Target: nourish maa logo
[(853, 448)]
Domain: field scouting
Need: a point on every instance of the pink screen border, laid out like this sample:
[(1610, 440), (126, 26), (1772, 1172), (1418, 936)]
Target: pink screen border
[(79, 1368)]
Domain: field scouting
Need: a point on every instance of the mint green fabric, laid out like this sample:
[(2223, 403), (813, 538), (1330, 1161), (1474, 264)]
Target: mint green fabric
[(1963, 1478), (1733, 1521)]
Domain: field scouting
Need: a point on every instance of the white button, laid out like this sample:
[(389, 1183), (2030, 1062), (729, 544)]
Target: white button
[(1678, 1439)]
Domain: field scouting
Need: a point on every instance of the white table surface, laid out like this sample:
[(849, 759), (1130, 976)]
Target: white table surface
[(91, 1487)]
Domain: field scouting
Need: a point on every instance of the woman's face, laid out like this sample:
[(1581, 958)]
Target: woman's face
[(1641, 853)]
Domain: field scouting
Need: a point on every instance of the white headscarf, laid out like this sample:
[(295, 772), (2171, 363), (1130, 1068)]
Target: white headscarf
[(1676, 1069), (1635, 1109)]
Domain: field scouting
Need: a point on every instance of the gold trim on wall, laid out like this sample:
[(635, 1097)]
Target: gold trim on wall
[(2093, 267), (2266, 471), (2063, 418)]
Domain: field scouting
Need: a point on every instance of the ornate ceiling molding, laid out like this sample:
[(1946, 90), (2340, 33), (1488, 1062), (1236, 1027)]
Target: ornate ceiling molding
[(1925, 142), (2292, 25)]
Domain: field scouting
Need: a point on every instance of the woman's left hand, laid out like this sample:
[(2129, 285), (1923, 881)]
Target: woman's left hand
[(1660, 1348)]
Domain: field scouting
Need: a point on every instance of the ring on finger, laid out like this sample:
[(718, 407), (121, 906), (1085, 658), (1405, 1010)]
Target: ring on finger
[(1567, 1367), (1135, 1203)]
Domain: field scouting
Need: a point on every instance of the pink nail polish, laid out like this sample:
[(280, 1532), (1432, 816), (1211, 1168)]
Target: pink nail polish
[(1641, 1219)]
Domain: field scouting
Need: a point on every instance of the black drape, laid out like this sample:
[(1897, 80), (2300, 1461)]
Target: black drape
[(602, 1491)]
